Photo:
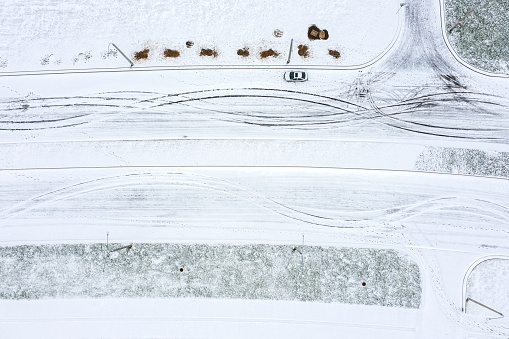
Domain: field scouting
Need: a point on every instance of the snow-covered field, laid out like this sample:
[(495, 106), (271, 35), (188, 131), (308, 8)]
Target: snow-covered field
[(489, 284), (393, 172), (265, 272), (482, 38), (61, 34)]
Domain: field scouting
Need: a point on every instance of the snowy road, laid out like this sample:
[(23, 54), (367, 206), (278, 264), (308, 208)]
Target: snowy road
[(417, 91)]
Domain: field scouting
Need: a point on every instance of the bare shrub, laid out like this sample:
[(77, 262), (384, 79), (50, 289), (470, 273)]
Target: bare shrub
[(335, 54), (141, 54), (244, 52), (303, 51), (208, 52), (269, 53), (171, 53)]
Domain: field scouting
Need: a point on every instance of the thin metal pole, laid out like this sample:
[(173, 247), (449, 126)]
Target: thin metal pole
[(125, 56), (401, 6), (302, 257), (461, 21), (121, 248), (290, 54), (489, 308), (107, 250)]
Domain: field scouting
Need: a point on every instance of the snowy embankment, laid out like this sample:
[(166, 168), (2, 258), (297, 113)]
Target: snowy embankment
[(305, 273), (62, 34)]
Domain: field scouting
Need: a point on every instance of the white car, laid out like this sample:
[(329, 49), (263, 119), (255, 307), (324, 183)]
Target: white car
[(296, 76)]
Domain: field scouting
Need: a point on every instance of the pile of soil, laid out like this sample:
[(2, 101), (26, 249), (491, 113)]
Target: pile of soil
[(171, 53), (268, 53), (243, 52), (208, 52), (315, 33), (303, 51), (189, 44), (335, 54), (142, 54)]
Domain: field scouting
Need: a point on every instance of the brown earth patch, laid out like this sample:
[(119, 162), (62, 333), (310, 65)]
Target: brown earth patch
[(335, 54), (141, 54), (243, 52), (303, 50), (208, 52), (268, 53), (171, 53)]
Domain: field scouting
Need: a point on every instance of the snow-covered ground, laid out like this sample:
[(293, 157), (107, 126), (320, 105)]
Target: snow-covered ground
[(488, 283), (61, 34), (407, 155), (262, 272), (482, 37)]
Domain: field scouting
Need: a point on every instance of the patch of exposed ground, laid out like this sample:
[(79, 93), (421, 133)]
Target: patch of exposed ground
[(208, 52), (303, 51), (141, 54), (335, 54), (269, 53), (243, 52), (171, 53)]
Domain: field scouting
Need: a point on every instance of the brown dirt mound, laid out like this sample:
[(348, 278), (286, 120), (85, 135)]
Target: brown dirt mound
[(171, 53), (208, 52), (243, 52), (268, 53), (335, 54), (303, 51), (141, 54)]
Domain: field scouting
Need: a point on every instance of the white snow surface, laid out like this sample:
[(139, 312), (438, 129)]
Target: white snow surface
[(76, 34), (408, 153), (489, 284)]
